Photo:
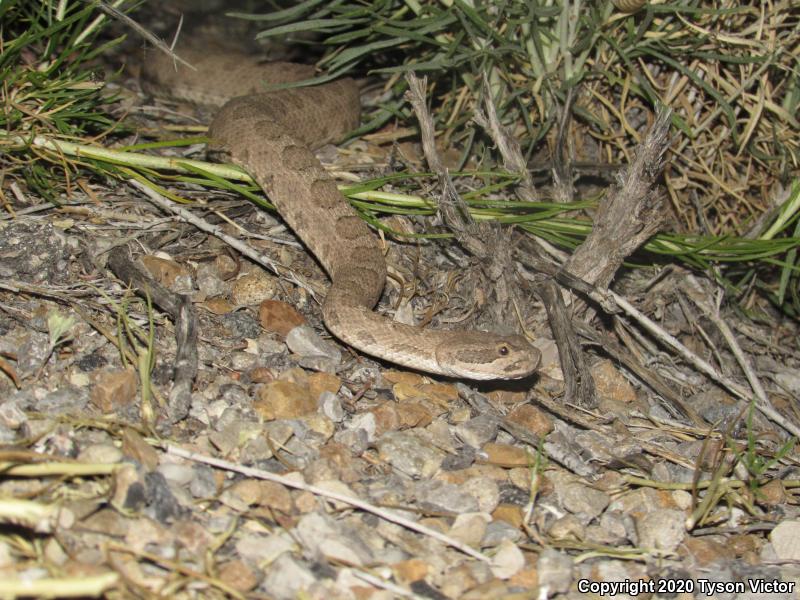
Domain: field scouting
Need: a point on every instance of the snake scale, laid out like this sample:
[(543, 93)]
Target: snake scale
[(271, 135)]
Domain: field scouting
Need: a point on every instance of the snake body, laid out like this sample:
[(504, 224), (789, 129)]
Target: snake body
[(271, 135)]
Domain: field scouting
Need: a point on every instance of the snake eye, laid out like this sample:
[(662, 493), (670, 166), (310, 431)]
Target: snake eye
[(503, 350)]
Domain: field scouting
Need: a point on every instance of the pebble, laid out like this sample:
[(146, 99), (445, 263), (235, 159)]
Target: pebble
[(203, 484), (662, 530), (11, 415), (320, 534), (366, 423), (410, 453), (279, 317), (283, 400), (477, 431), (164, 270), (254, 287), (486, 492), (582, 500), (498, 532), (287, 577), (104, 454), (469, 528), (785, 540), (331, 407), (440, 496), (177, 474), (114, 389), (507, 560), (237, 575), (507, 455), (531, 418), (304, 341), (256, 548)]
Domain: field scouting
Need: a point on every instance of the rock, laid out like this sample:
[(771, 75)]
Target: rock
[(104, 454), (279, 317), (469, 528), (331, 407), (610, 383), (178, 475), (485, 490), (583, 500), (303, 340), (284, 400), (408, 571), (135, 447), (238, 576), (320, 534), (506, 455), (508, 513), (555, 572), (286, 578), (661, 530), (253, 288), (438, 496), (477, 431), (410, 453), (114, 389), (165, 271), (507, 561), (785, 540), (532, 419)]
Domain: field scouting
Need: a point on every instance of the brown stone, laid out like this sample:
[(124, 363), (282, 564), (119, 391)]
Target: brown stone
[(134, 446), (275, 496), (386, 418), (261, 375), (528, 576), (284, 400), (610, 383), (218, 305), (403, 392), (226, 266), (163, 270), (305, 502), (442, 393), (406, 377), (510, 513), (706, 551), (507, 455), (323, 382), (506, 397), (772, 493), (113, 389), (409, 571), (413, 414), (238, 576), (193, 536), (279, 317), (742, 544), (253, 288), (532, 419)]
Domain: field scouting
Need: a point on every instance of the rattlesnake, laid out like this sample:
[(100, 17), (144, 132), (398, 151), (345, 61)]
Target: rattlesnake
[(270, 135)]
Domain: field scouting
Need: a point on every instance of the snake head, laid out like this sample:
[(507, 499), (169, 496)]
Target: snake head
[(478, 355)]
